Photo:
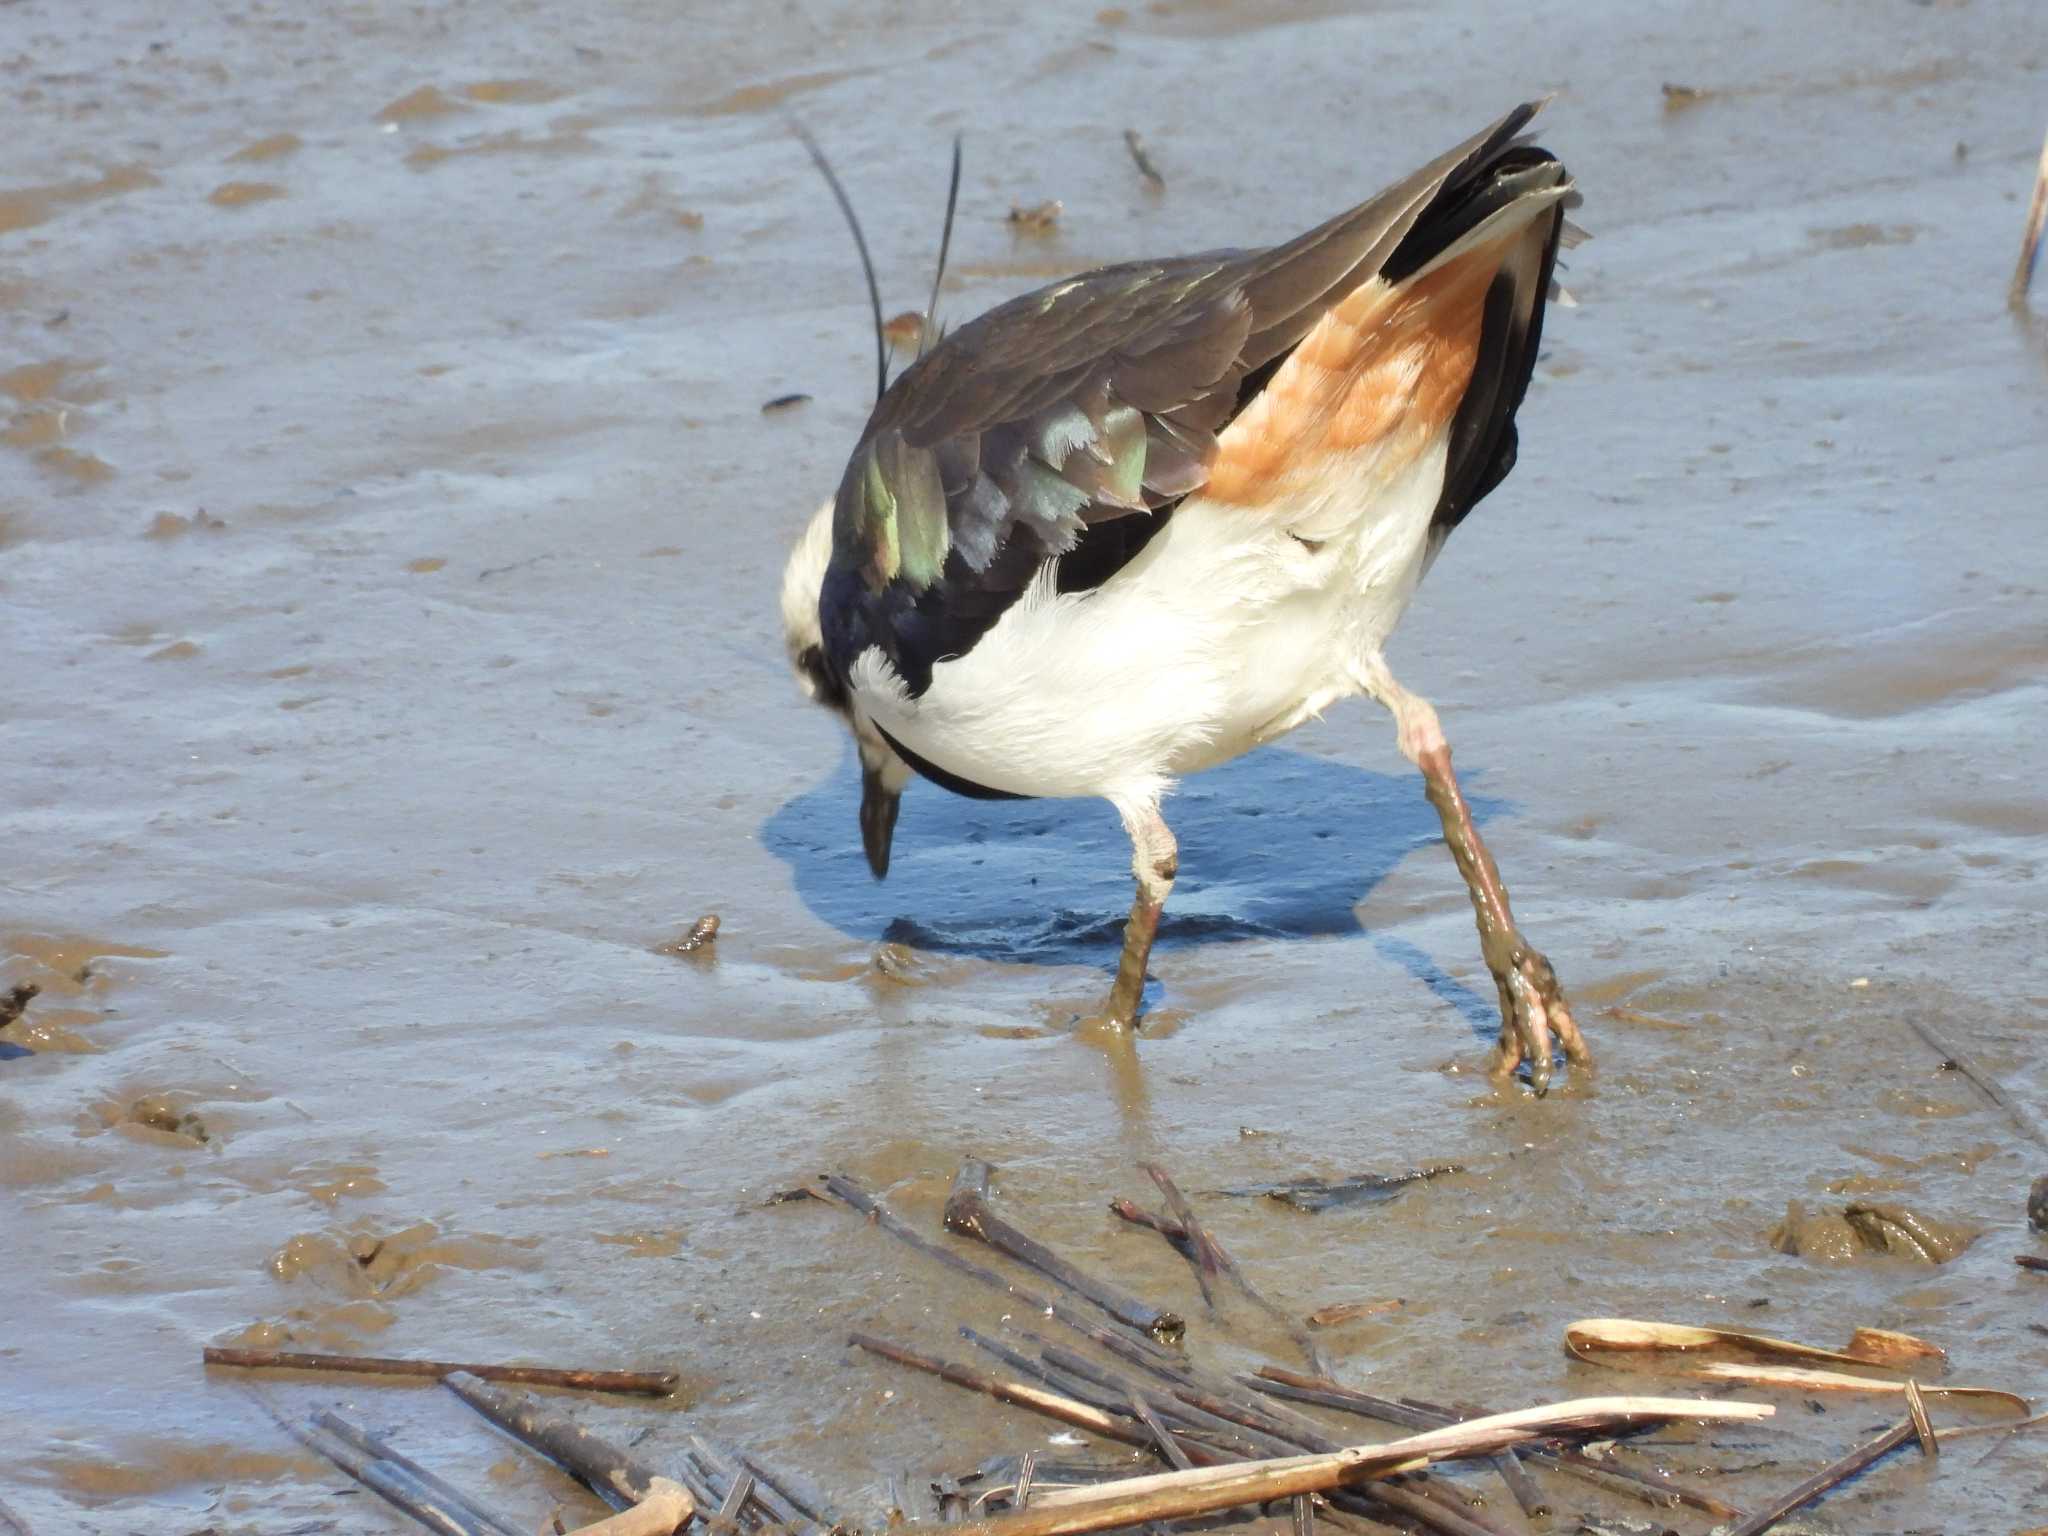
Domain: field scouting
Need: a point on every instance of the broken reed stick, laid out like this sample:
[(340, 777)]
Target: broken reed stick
[(1923, 1427), (1655, 1491), (1205, 1490), (1423, 1510), (606, 1470), (1066, 1409), (649, 1383), (2030, 237), (736, 1498), (846, 1192), (1134, 1213), (1237, 1431), (723, 1464), (968, 1213), (789, 1486), (378, 1448), (395, 1485), (1245, 1441), (1985, 1082), (1051, 1377), (1825, 1479), (1027, 1469), (1175, 1454), (1210, 1258), (2030, 1261)]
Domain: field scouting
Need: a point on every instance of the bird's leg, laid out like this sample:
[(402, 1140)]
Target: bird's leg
[(1155, 860), (1532, 1002)]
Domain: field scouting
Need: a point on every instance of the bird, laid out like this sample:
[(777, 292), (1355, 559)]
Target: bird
[(1143, 520)]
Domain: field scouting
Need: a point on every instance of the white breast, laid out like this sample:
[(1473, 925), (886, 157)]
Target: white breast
[(1227, 631)]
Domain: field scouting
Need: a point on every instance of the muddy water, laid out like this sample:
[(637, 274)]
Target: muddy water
[(388, 530)]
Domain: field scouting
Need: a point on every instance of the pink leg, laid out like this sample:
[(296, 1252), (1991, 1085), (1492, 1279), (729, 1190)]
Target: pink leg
[(1532, 1001)]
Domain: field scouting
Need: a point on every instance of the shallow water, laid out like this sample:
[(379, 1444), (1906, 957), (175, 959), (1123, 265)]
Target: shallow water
[(388, 535)]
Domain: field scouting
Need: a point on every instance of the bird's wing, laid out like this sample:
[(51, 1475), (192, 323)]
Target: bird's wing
[(1072, 416)]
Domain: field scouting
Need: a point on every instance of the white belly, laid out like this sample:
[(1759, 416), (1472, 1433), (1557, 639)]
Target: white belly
[(1227, 631)]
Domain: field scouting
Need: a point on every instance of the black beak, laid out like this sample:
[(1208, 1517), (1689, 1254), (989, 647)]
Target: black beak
[(878, 805)]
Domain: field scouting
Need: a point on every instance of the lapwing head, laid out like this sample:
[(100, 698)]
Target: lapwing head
[(883, 774)]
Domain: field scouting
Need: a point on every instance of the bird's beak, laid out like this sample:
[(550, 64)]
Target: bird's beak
[(878, 805)]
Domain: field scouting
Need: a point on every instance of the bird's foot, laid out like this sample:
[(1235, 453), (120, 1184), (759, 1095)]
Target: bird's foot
[(1533, 1012)]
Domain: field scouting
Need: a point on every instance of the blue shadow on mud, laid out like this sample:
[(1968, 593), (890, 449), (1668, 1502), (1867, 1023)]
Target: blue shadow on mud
[(1276, 845)]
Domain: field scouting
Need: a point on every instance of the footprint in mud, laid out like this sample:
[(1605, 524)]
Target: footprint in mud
[(345, 1327), (159, 1119), (360, 1263), (61, 976), (1864, 1230)]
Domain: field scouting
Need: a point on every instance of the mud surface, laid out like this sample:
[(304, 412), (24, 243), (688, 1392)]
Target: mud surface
[(388, 535)]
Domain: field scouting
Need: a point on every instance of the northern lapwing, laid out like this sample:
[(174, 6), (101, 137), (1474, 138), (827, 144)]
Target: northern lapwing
[(1141, 521)]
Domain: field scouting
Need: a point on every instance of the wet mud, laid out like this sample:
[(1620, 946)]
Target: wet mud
[(389, 533)]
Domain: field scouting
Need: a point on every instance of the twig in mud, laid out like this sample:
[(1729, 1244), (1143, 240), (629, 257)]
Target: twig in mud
[(1066, 1409), (376, 1448), (1658, 1492), (849, 1194), (394, 1485), (1205, 1490), (1964, 1431), (1142, 160), (1521, 1486), (1194, 1410), (1169, 1447), (646, 1383), (736, 1497), (1272, 1431), (2030, 1261), (1984, 1080), (1138, 1216), (1825, 1479), (1419, 1506), (609, 1472), (1341, 1312), (1208, 1255), (430, 1502), (807, 1500), (723, 1465), (1083, 1389), (1027, 1469), (1923, 1428), (2030, 238), (968, 1212), (1210, 1258), (783, 403)]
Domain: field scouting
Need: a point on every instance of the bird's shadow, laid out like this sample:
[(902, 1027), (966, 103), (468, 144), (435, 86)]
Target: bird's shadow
[(1274, 845)]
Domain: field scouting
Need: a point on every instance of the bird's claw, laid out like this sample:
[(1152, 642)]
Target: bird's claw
[(1533, 1011)]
